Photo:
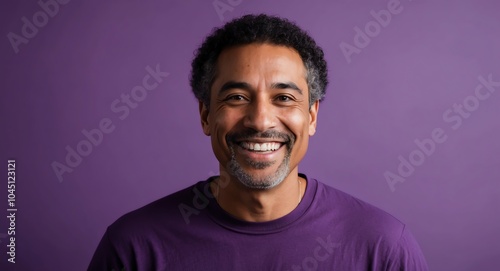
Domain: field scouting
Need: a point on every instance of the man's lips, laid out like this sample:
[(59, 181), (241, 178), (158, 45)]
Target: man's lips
[(260, 146), (260, 152), (263, 149)]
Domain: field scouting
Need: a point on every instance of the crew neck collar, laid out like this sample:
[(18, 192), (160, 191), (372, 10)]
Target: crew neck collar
[(224, 219)]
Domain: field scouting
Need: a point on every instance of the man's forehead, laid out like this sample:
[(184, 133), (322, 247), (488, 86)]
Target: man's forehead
[(282, 48), (234, 59)]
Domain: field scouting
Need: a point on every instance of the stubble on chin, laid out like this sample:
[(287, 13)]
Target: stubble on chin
[(259, 182)]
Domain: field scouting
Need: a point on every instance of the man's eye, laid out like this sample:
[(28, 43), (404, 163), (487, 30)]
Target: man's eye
[(235, 98), (284, 98)]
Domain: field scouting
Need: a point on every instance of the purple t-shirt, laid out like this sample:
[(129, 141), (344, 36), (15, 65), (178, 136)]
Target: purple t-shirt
[(187, 230)]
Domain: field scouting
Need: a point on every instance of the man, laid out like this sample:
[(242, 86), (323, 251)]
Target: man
[(259, 81)]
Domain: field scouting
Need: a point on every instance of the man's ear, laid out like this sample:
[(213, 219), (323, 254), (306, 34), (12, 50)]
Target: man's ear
[(204, 118), (313, 117)]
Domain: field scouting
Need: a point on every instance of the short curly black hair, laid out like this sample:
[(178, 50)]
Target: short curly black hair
[(260, 28)]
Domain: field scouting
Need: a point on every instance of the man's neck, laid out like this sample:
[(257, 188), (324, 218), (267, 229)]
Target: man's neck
[(259, 205)]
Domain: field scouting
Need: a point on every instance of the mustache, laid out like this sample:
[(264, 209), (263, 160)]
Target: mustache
[(249, 134)]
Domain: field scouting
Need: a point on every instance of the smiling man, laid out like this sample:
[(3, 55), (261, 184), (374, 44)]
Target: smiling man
[(260, 120), (259, 81)]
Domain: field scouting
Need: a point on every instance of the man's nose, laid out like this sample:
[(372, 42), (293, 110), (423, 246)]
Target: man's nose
[(260, 115)]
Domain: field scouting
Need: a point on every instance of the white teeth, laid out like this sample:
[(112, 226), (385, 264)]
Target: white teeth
[(262, 147)]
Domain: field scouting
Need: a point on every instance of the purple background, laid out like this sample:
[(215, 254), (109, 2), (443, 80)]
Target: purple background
[(394, 91)]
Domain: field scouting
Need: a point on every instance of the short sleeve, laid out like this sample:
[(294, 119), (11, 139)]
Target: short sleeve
[(106, 257), (407, 255)]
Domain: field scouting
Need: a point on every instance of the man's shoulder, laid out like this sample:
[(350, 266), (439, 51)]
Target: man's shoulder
[(358, 215), (368, 230)]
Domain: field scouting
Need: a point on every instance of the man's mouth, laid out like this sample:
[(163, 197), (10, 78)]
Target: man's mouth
[(260, 146)]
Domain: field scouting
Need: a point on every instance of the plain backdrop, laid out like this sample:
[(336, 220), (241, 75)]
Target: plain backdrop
[(410, 78)]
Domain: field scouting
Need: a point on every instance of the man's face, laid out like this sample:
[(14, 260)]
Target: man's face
[(259, 118)]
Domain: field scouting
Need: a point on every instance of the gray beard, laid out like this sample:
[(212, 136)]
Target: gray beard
[(254, 182)]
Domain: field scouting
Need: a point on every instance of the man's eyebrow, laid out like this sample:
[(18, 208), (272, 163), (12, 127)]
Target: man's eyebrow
[(245, 86), (232, 85), (287, 85)]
